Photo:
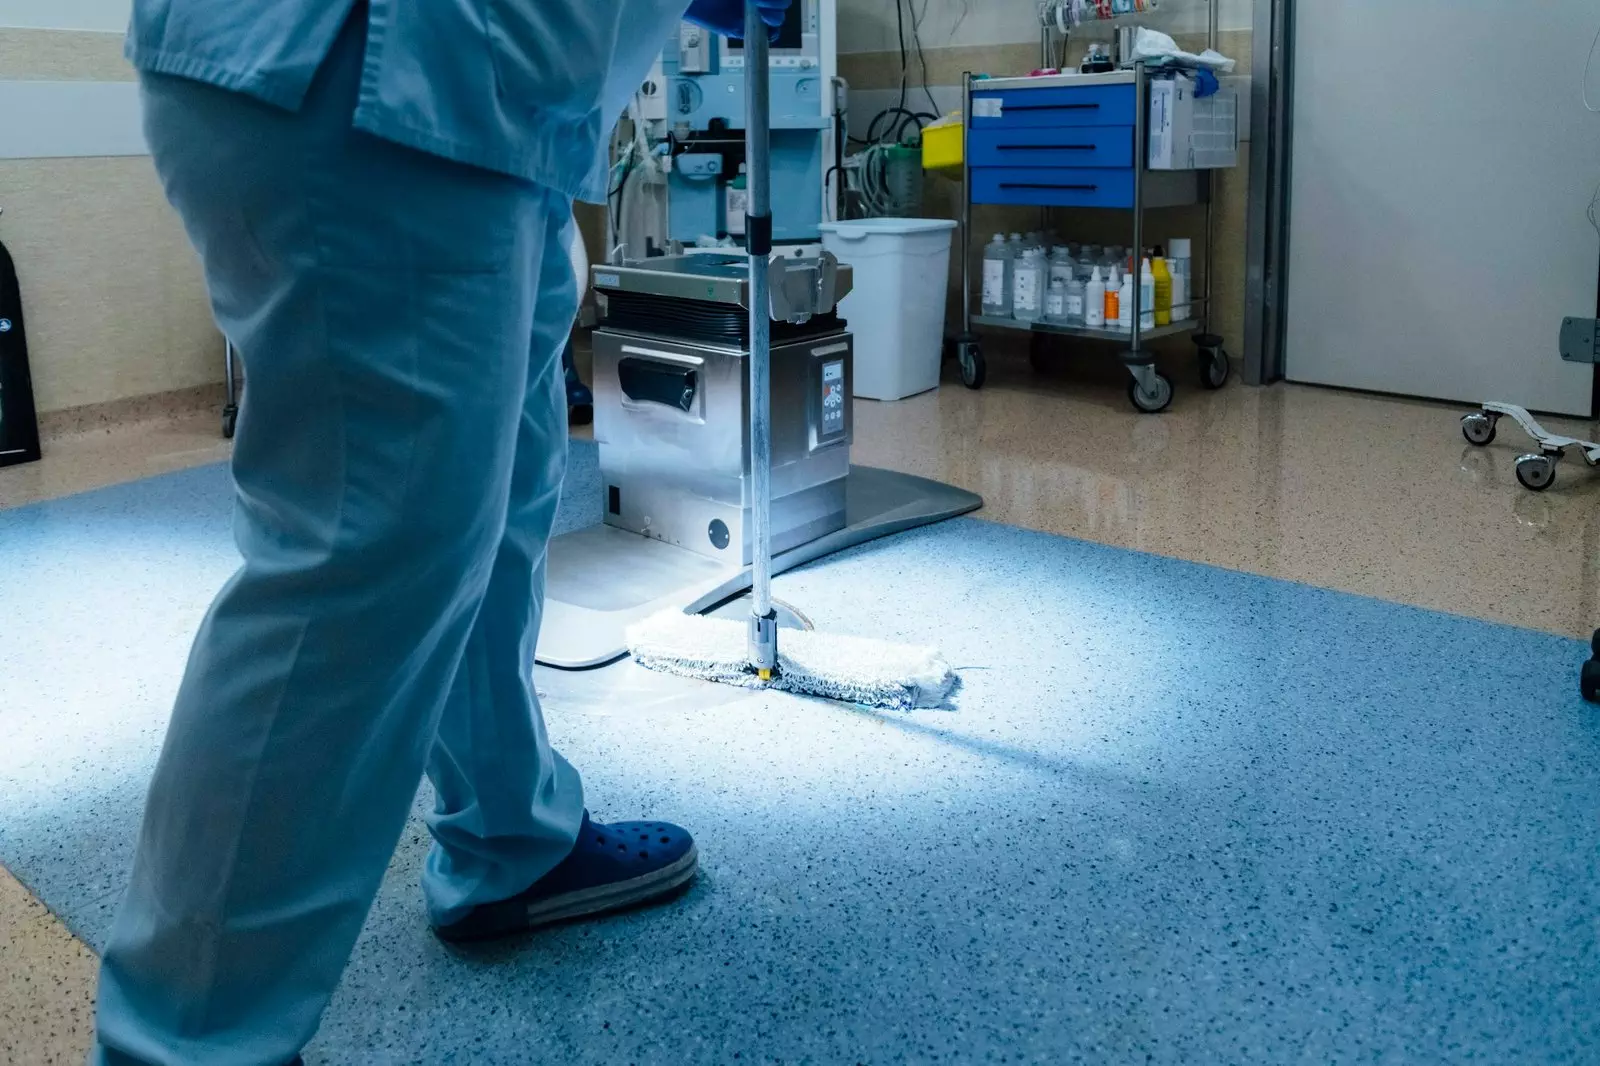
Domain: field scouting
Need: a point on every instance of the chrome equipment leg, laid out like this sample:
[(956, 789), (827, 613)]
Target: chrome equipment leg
[(758, 229)]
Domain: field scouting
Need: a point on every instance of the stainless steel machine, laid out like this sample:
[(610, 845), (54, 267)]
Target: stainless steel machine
[(673, 403), (672, 418)]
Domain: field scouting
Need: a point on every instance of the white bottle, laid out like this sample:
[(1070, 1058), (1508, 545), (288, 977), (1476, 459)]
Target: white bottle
[(1028, 279), (1180, 260), (1147, 296), (1055, 302), (1125, 314), (1094, 301), (997, 277)]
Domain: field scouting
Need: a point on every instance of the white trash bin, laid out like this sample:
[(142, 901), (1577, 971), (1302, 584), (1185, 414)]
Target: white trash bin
[(896, 309)]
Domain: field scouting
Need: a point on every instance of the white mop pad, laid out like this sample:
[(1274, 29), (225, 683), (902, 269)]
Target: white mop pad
[(860, 670)]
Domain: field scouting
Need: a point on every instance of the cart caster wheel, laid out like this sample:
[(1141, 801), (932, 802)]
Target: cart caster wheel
[(1214, 368), (974, 368), (1594, 644), (230, 421), (1589, 681), (1157, 399), (1536, 472), (1478, 428), (580, 414)]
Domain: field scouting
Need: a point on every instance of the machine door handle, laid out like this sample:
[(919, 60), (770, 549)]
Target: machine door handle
[(1047, 147), (647, 381), (1048, 185)]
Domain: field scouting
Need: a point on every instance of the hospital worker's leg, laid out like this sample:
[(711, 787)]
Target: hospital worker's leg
[(497, 826), (383, 301)]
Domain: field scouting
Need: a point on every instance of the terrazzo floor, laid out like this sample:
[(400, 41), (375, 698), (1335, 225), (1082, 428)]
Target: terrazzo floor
[(1178, 814)]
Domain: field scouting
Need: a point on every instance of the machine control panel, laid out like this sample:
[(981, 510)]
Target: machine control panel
[(830, 396), (832, 399)]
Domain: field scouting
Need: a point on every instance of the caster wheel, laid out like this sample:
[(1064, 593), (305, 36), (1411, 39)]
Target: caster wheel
[(974, 368), (1536, 472), (1478, 428), (1594, 644), (1214, 368), (581, 414), (230, 421), (1157, 399), (1589, 681)]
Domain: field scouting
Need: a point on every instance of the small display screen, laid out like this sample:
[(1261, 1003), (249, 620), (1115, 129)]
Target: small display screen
[(833, 398), (791, 34)]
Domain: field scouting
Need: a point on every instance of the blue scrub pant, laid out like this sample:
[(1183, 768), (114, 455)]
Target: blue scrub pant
[(398, 465)]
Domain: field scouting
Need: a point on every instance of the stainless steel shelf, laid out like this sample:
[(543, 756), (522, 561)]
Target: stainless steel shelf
[(1188, 325)]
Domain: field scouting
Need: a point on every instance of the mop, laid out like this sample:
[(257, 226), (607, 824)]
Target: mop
[(856, 670)]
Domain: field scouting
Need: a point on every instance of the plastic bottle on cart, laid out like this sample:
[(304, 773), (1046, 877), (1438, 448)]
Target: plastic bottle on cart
[(1125, 305), (1163, 291), (997, 277), (1061, 267), (1055, 302), (1088, 260), (1113, 300), (1076, 288), (1181, 264), (1028, 279), (1094, 301), (1147, 296)]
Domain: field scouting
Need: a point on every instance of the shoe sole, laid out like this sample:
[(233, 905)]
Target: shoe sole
[(591, 902)]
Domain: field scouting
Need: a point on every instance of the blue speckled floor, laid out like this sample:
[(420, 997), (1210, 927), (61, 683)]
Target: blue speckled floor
[(1179, 815)]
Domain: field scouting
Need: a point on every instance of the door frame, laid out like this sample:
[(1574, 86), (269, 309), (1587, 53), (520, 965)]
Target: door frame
[(1271, 171), (1267, 211)]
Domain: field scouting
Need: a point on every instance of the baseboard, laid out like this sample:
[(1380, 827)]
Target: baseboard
[(116, 413)]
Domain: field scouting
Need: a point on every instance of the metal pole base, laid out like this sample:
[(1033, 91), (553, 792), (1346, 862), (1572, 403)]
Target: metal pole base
[(764, 645)]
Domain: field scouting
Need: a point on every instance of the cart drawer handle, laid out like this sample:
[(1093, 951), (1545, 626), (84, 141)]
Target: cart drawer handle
[(1048, 185), (1047, 147), (1052, 107)]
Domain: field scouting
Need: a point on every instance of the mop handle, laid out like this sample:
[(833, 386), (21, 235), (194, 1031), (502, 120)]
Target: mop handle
[(758, 242)]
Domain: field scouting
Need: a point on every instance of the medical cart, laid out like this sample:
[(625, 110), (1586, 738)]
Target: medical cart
[(1079, 141)]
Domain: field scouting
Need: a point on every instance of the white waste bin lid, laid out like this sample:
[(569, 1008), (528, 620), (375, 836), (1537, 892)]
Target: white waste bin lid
[(894, 227)]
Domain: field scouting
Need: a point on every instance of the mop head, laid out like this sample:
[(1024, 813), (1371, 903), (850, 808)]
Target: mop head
[(873, 673)]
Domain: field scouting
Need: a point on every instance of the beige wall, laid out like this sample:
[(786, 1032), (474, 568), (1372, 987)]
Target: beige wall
[(112, 293)]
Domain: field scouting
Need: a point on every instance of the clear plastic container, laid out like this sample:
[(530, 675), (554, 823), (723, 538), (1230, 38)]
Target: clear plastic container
[(1055, 302), (1077, 293), (1029, 276), (997, 260), (1061, 266)]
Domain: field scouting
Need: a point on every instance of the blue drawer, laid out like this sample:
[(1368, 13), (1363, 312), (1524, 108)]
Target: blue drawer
[(1053, 186), (1070, 146), (1088, 105)]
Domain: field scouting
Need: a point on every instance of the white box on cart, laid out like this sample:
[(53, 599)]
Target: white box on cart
[(1189, 133)]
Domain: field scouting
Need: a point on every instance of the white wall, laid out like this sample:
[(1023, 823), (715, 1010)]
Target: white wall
[(108, 15), (869, 25)]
